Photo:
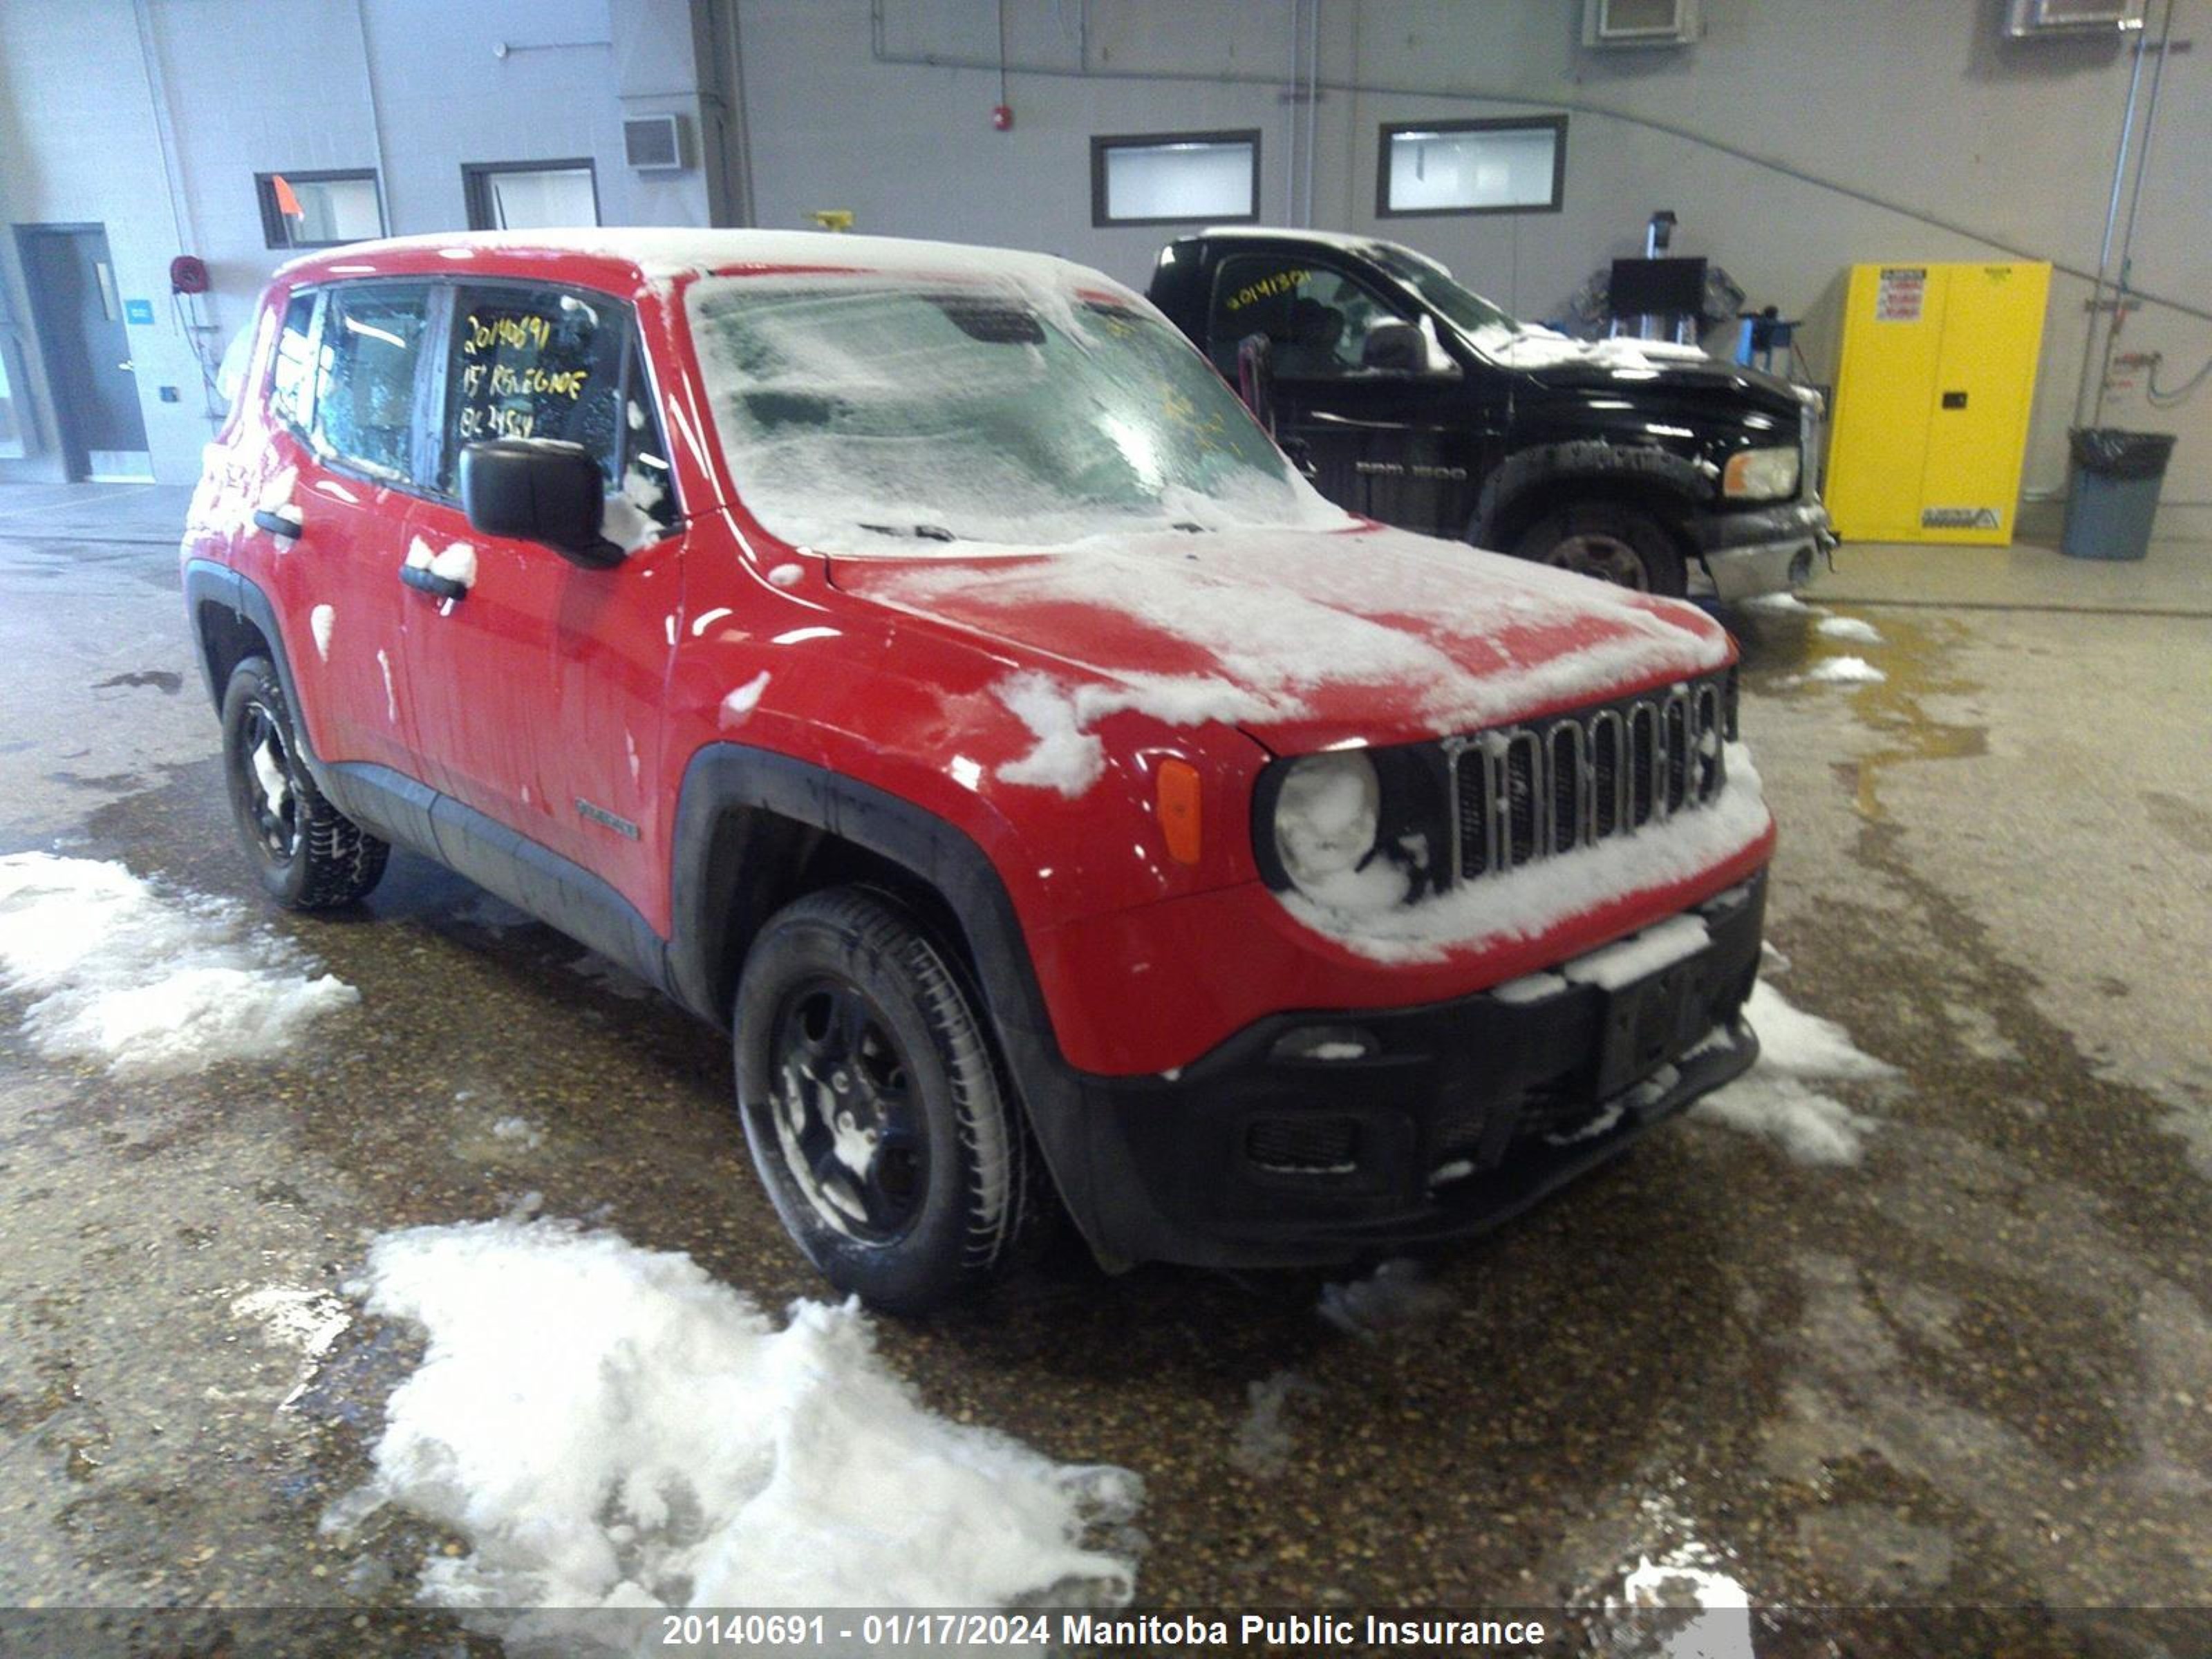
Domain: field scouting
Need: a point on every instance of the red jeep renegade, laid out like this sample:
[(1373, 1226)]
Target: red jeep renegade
[(914, 658)]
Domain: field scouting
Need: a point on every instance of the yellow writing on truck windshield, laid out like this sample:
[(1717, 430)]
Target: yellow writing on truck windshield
[(1265, 288)]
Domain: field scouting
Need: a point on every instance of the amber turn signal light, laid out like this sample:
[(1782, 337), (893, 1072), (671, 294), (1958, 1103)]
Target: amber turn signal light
[(1177, 808)]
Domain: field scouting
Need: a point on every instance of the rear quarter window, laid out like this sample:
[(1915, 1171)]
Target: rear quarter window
[(364, 389), (291, 376)]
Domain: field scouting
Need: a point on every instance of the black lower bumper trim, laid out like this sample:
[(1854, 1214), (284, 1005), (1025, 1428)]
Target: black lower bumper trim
[(1316, 1137)]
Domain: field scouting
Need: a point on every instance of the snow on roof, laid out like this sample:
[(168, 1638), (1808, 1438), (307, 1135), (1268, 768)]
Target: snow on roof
[(1340, 240), (660, 252)]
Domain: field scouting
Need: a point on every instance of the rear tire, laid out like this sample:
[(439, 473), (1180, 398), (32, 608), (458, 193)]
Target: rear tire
[(873, 1106), (1613, 544), (309, 855)]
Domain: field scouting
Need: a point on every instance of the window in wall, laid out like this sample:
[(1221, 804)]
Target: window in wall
[(536, 361), (319, 209), (530, 195), (1174, 177), (1516, 166), (364, 410)]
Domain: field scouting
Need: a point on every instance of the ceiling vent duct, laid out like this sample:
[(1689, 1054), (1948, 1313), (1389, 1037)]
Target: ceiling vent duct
[(654, 143), (1612, 23), (2034, 19)]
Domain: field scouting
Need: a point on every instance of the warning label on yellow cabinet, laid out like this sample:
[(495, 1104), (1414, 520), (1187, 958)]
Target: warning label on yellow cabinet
[(1899, 295)]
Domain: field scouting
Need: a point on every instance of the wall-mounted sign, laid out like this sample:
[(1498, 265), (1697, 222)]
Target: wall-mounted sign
[(138, 312)]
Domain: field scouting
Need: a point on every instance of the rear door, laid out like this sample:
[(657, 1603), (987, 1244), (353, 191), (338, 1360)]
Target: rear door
[(1394, 444), (347, 382), (539, 693)]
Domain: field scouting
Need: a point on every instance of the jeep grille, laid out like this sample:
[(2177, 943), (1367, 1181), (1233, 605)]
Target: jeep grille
[(1528, 793)]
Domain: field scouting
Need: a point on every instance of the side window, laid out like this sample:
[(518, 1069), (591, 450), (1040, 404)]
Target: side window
[(291, 380), (547, 362), (1318, 317), (364, 410)]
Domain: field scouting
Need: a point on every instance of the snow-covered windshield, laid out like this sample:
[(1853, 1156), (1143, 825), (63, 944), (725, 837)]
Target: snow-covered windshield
[(873, 414), (1434, 284)]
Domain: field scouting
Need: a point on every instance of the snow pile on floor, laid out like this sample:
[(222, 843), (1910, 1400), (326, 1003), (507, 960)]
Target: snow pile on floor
[(1845, 670), (148, 980), (1709, 1608), (1849, 627), (1782, 605), (609, 1427), (1778, 1098), (1262, 1446), (1396, 1295)]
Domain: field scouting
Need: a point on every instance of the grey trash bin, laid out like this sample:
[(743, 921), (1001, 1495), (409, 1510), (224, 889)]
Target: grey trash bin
[(2112, 491)]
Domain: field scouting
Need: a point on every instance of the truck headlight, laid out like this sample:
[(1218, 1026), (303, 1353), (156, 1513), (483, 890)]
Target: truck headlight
[(1327, 815), (1760, 475)]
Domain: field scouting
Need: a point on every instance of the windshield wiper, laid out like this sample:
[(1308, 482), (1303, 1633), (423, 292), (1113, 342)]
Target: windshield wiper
[(927, 532)]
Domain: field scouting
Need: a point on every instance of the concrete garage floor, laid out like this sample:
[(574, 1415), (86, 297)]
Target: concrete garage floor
[(1973, 1370)]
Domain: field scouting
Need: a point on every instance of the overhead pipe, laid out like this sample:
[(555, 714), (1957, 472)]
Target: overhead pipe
[(1476, 94)]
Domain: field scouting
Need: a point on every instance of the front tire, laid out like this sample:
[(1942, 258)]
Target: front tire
[(872, 1104), (309, 855), (1613, 544)]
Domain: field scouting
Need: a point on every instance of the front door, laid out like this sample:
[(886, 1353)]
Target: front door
[(1396, 444), (538, 692), (78, 310)]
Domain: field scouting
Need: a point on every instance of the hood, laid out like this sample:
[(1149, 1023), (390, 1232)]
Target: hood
[(1303, 638), (1709, 380), (1638, 369)]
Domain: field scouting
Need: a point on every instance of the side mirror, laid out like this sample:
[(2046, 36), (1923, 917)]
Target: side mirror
[(537, 490), (1398, 347)]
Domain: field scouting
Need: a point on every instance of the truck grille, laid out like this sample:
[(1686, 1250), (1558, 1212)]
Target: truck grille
[(1528, 793)]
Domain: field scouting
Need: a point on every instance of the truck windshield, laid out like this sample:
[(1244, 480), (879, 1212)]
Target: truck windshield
[(1462, 305), (881, 414)]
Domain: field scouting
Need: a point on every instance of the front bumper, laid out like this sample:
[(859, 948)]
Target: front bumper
[(1763, 549), (1459, 1115)]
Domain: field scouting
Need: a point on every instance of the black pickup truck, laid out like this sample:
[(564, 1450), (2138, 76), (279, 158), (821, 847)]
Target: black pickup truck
[(1412, 400)]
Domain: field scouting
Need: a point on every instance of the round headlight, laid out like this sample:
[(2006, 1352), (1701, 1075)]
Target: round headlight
[(1326, 816)]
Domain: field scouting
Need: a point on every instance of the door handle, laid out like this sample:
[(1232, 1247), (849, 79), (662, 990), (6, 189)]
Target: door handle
[(276, 524), (439, 587)]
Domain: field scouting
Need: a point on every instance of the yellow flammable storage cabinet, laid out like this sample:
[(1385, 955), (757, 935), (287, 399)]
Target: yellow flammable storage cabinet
[(1933, 388)]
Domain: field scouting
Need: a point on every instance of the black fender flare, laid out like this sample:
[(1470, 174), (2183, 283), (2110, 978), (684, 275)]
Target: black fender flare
[(725, 783), (208, 586), (1641, 467)]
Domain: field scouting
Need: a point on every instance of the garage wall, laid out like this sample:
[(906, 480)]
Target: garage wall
[(91, 92), (1796, 138)]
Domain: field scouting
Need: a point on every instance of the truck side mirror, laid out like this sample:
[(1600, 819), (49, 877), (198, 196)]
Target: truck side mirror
[(1396, 348), (537, 490)]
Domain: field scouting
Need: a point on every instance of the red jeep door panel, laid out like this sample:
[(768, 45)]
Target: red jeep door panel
[(338, 587), (538, 693)]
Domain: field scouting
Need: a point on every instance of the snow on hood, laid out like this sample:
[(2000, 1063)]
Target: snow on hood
[(1304, 638), (1532, 346)]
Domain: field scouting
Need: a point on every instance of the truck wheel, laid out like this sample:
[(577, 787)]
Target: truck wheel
[(1615, 545), (309, 855), (873, 1105)]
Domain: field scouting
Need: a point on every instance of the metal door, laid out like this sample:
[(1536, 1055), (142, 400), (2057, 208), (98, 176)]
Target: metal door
[(77, 309)]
